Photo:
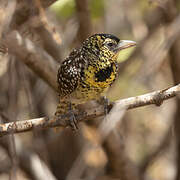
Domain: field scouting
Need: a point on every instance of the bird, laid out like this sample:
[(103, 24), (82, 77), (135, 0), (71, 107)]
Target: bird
[(88, 72)]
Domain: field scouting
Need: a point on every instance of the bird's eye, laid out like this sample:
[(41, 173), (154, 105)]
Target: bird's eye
[(110, 44)]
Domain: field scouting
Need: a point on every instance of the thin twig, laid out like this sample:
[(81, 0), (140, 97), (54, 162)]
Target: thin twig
[(156, 56)]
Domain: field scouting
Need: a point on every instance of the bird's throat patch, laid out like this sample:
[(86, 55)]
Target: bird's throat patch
[(100, 77), (103, 74)]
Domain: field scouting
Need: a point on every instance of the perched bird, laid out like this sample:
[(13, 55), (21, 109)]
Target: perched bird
[(88, 71)]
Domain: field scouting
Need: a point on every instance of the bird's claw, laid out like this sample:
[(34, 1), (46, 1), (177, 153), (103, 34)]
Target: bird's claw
[(106, 104), (72, 120)]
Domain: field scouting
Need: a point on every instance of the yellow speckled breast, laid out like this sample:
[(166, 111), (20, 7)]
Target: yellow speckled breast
[(95, 83)]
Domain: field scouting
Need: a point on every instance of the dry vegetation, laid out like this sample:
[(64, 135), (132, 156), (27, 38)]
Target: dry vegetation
[(130, 143)]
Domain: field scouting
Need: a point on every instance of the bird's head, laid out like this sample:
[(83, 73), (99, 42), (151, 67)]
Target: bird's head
[(106, 45)]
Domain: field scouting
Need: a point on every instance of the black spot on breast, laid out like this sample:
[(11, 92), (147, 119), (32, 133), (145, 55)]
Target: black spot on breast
[(82, 72), (104, 74)]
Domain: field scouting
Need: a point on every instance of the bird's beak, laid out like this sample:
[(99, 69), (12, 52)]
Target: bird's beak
[(124, 44)]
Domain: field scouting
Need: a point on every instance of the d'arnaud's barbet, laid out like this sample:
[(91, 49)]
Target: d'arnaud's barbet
[(88, 71)]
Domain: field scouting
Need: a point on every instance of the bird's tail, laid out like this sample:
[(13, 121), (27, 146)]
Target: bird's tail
[(62, 107), (65, 106)]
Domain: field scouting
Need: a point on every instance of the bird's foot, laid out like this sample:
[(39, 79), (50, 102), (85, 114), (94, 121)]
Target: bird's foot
[(72, 119), (106, 104)]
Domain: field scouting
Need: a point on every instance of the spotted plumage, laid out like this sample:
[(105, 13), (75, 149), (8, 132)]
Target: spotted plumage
[(89, 70)]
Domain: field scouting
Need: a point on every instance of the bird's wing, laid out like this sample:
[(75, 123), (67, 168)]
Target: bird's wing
[(69, 74)]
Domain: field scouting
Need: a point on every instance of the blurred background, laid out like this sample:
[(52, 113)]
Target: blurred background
[(145, 145)]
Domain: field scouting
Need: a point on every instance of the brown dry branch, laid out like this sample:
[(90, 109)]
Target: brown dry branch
[(154, 60), (154, 22), (33, 56), (26, 18), (174, 55), (33, 166), (118, 165), (25, 10), (84, 19), (39, 28), (48, 40), (156, 97), (46, 23), (6, 12)]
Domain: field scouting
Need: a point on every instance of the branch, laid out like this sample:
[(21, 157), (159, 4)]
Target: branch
[(47, 31), (84, 19), (33, 56), (155, 57), (155, 20), (25, 10), (7, 9), (156, 97)]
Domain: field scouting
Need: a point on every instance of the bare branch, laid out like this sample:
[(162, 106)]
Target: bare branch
[(84, 19), (24, 11), (28, 161), (46, 23), (156, 97), (33, 56), (6, 11), (158, 53), (155, 57)]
